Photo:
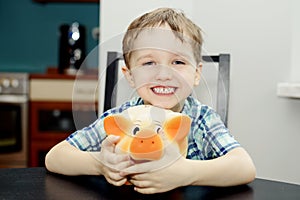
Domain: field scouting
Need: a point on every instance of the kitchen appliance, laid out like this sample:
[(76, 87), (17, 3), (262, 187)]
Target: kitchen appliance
[(13, 119), (71, 48)]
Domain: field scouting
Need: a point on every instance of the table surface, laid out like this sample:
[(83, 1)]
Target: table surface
[(38, 183)]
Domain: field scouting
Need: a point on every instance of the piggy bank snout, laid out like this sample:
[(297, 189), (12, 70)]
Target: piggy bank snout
[(146, 145)]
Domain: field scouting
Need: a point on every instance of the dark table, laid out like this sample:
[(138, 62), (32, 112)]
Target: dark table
[(37, 183)]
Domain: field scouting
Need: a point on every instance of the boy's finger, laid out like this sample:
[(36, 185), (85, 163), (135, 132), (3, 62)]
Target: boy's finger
[(116, 165), (109, 142), (116, 180), (117, 158), (124, 165), (136, 169)]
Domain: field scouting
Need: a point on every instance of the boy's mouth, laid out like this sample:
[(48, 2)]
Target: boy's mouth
[(163, 90)]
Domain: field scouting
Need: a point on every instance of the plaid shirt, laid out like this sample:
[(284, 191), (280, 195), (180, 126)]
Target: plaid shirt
[(208, 137)]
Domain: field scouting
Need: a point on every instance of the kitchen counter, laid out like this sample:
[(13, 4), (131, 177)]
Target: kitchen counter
[(53, 86), (52, 73)]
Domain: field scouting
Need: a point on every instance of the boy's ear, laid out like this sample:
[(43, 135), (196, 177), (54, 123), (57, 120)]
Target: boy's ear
[(128, 75), (116, 125), (198, 74), (177, 128)]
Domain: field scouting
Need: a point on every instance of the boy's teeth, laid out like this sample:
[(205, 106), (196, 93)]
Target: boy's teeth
[(163, 90)]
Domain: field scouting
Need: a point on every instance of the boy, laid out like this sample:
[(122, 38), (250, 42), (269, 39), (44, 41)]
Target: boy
[(162, 53)]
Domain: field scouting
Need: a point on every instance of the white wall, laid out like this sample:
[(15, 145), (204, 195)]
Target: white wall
[(260, 36), (295, 55)]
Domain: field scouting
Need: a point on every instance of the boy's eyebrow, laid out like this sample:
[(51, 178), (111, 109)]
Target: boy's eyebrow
[(144, 56), (180, 54)]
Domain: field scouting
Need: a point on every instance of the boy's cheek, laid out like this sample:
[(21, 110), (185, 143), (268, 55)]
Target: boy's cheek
[(141, 77)]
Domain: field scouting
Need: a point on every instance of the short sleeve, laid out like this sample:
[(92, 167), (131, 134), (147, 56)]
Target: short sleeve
[(91, 137), (217, 140), (88, 138)]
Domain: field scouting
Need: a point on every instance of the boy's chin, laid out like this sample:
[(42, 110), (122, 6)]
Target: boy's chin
[(174, 107)]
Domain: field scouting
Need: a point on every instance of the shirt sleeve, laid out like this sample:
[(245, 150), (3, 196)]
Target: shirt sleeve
[(89, 138), (217, 140)]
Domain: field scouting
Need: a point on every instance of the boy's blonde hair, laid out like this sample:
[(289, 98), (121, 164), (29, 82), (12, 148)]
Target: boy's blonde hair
[(178, 22)]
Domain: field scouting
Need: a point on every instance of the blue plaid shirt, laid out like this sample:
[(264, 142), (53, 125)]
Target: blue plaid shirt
[(208, 137)]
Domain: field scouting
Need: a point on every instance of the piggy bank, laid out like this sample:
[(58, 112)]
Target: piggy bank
[(145, 131)]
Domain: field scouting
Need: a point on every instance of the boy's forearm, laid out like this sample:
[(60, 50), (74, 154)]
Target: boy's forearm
[(66, 159), (234, 168)]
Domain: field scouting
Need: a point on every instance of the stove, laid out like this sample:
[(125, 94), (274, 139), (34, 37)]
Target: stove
[(14, 89), (14, 83)]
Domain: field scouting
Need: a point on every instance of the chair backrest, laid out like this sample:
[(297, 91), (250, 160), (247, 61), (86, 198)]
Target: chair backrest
[(223, 77)]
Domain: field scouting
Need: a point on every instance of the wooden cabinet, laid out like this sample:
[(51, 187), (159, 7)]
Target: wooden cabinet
[(58, 106), (43, 138), (52, 122)]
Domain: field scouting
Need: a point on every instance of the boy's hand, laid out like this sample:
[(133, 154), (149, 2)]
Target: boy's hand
[(112, 163), (161, 180), (159, 176)]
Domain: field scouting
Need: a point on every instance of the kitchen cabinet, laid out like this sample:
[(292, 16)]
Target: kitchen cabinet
[(52, 122), (43, 138), (59, 105)]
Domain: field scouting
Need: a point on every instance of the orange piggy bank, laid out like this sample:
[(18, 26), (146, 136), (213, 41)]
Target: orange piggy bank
[(144, 130)]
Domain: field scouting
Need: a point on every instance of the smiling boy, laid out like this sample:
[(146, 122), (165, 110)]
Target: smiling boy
[(162, 53), (162, 71)]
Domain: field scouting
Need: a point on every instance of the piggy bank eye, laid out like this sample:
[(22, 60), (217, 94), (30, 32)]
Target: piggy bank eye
[(135, 130), (158, 129)]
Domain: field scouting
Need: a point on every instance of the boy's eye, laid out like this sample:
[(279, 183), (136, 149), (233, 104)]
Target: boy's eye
[(178, 62), (148, 63)]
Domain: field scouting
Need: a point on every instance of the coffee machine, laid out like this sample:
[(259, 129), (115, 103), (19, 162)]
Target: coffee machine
[(72, 47)]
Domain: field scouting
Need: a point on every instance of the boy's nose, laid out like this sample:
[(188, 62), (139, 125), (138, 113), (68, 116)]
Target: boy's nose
[(164, 72)]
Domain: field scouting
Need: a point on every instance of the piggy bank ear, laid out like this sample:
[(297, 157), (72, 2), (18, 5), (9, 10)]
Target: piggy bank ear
[(116, 125), (177, 128)]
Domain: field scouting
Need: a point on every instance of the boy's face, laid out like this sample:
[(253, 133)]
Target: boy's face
[(162, 68)]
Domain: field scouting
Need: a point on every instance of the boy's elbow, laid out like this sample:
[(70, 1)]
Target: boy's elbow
[(49, 162), (246, 168), (249, 171), (53, 157), (251, 174), (248, 177)]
